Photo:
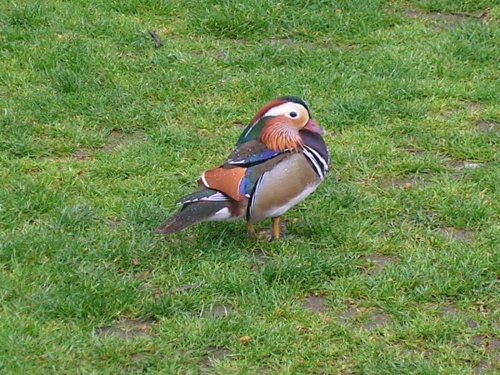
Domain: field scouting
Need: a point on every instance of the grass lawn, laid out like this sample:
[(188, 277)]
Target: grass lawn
[(389, 268)]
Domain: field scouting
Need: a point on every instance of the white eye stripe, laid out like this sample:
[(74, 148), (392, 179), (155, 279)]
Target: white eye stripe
[(285, 109)]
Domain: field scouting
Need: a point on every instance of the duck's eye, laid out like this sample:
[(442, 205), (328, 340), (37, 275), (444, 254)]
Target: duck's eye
[(293, 114)]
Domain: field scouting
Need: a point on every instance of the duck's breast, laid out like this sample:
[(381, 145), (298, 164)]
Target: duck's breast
[(281, 188)]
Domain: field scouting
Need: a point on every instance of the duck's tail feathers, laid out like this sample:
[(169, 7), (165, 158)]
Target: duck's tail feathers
[(191, 213)]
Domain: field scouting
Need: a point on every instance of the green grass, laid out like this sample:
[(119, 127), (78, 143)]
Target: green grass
[(100, 133)]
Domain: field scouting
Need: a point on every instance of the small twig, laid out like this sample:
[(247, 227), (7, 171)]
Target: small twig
[(156, 38)]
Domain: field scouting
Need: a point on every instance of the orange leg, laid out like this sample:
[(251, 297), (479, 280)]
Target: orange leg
[(276, 229), (251, 229)]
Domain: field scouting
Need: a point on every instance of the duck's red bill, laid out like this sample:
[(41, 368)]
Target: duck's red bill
[(313, 127)]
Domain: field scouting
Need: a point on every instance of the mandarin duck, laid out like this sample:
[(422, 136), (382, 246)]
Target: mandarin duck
[(279, 159)]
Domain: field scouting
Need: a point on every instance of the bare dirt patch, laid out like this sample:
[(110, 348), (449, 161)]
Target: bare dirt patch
[(484, 126), (458, 234), (118, 139), (239, 124), (418, 353), (369, 318), (217, 352), (416, 152), (377, 319), (215, 311), (267, 234), (350, 314), (490, 344), (259, 261), (158, 293), (216, 54), (481, 367), (184, 288), (472, 324), (80, 154), (448, 310), (293, 43), (315, 303), (461, 164), (138, 357), (447, 20), (377, 262), (473, 106), (113, 223), (447, 114), (213, 353), (128, 329)]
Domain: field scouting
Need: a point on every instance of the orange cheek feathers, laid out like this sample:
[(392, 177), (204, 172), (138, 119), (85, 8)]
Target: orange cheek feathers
[(279, 136)]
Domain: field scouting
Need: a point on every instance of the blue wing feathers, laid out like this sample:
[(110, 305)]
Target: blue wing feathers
[(249, 159)]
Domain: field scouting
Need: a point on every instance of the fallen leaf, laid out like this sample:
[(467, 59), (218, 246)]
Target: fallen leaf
[(136, 261), (245, 339), (157, 294)]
